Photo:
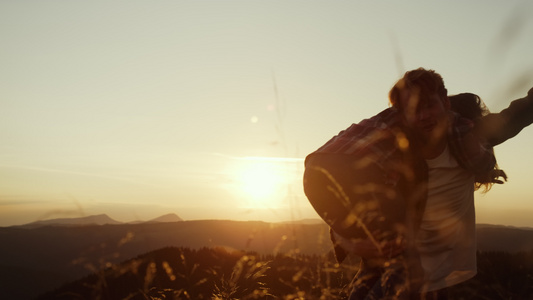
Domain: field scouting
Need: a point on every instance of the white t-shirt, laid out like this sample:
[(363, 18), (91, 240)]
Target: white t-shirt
[(446, 240)]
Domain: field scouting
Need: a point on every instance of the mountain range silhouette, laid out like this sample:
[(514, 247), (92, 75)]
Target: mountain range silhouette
[(40, 256)]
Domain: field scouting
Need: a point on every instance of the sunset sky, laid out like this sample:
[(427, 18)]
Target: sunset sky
[(207, 109)]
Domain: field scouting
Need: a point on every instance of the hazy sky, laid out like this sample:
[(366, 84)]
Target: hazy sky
[(207, 108)]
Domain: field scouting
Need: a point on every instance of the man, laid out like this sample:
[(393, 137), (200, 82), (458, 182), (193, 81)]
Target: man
[(441, 155)]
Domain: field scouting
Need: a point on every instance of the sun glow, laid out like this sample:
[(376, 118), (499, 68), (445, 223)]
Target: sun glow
[(262, 181)]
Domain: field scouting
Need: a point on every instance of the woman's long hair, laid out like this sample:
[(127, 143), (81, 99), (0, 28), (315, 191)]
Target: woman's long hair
[(471, 106)]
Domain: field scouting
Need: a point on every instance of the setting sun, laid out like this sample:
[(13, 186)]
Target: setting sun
[(262, 181)]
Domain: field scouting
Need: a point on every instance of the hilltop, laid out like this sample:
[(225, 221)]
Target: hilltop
[(34, 259), (167, 274)]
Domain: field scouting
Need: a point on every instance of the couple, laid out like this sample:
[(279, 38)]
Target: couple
[(398, 189)]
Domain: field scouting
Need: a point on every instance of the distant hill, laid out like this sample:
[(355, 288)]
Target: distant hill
[(504, 238), (481, 225), (102, 219), (162, 219), (306, 221), (67, 253), (166, 219)]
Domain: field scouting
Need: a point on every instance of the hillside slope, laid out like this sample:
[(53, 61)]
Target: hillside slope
[(66, 253), (168, 273)]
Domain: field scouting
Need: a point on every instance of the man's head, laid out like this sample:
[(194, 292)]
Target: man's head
[(422, 80), (422, 98)]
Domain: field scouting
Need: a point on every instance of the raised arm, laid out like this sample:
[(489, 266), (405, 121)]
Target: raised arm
[(499, 127)]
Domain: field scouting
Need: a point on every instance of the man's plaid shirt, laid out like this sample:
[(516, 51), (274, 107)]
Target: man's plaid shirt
[(383, 139)]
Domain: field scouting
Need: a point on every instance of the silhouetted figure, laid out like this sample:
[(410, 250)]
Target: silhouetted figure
[(398, 189)]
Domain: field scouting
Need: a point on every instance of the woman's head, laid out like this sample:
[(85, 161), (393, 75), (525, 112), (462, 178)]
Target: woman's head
[(471, 106), (468, 105)]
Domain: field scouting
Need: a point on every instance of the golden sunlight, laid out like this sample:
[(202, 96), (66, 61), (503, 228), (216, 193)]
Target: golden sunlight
[(262, 180)]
